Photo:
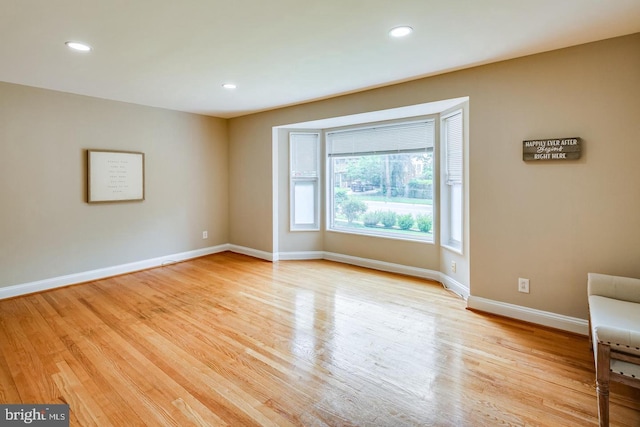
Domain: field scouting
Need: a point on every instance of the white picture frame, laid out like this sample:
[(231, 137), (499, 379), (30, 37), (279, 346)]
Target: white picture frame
[(115, 176)]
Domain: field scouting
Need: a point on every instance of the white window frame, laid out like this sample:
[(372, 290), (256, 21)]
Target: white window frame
[(452, 228), (301, 179), (330, 208)]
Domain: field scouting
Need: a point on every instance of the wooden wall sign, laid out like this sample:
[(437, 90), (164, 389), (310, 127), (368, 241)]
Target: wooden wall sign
[(551, 149)]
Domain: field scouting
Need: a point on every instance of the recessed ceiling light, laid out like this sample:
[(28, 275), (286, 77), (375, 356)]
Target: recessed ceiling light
[(78, 46), (229, 86), (400, 31)]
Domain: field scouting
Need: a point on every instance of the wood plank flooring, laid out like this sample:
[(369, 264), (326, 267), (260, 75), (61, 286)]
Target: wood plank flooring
[(230, 340)]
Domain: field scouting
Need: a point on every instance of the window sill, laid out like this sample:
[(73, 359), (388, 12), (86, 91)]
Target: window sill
[(455, 249), (372, 233)]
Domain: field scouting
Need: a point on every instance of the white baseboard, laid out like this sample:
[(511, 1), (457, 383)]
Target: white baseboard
[(267, 256), (455, 286), (101, 273), (383, 266), (545, 318), (302, 255)]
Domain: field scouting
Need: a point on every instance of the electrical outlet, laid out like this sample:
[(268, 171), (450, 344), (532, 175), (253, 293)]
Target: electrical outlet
[(205, 234), (454, 267), (523, 285)]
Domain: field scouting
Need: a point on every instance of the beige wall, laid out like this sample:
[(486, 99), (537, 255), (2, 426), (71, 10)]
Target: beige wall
[(46, 227), (554, 222), (549, 222), (251, 184)]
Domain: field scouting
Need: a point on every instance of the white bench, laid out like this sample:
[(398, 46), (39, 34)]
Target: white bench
[(614, 326)]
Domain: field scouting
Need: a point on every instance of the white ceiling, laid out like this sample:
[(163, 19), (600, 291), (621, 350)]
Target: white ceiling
[(176, 54)]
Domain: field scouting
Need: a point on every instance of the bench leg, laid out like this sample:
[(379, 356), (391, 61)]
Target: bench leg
[(603, 360)]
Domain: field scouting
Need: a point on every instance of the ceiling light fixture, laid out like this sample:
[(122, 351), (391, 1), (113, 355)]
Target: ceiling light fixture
[(82, 47), (229, 86), (400, 31)]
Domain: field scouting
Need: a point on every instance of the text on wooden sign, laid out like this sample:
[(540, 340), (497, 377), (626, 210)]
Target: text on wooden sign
[(551, 149)]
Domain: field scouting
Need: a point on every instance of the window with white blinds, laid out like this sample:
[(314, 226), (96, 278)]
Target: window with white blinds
[(380, 179), (304, 181), (452, 189), (305, 155), (383, 139), (453, 141)]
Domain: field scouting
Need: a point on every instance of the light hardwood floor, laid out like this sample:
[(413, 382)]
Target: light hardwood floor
[(230, 340)]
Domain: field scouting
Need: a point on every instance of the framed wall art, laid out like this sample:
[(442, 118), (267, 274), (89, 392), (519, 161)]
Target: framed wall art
[(114, 176)]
